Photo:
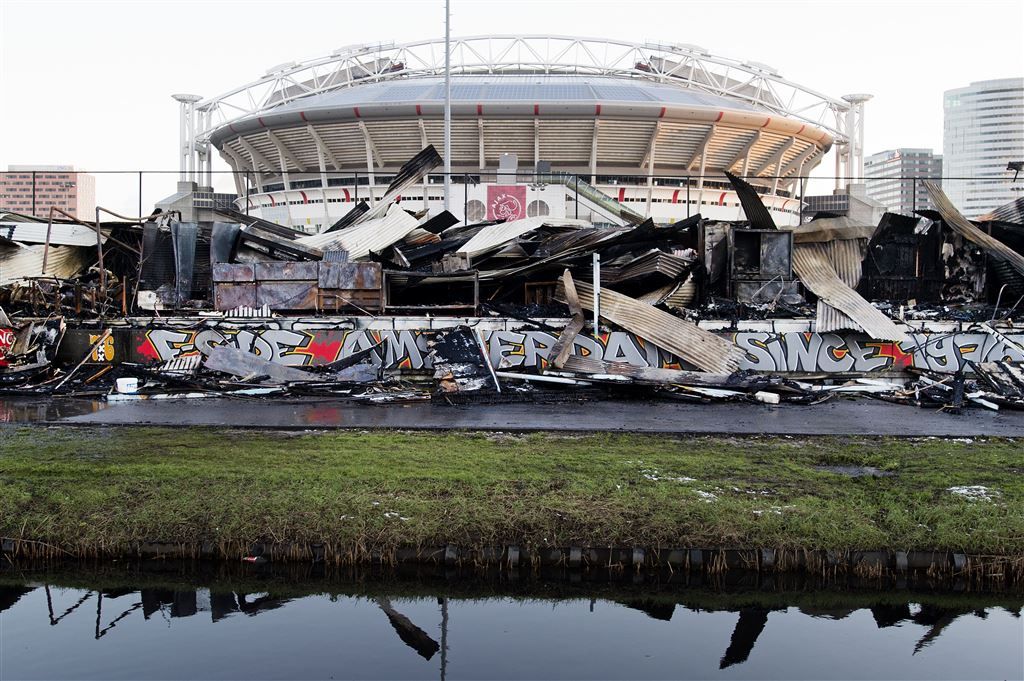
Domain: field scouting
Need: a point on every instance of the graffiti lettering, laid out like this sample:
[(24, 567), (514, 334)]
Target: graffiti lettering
[(769, 352)]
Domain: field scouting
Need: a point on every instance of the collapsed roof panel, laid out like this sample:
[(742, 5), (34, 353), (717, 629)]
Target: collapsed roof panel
[(683, 338), (363, 237), (813, 262)]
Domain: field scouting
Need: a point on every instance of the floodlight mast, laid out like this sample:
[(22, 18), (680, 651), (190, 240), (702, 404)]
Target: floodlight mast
[(187, 134), (854, 129)]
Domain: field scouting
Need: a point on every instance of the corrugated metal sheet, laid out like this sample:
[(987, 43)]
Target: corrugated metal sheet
[(411, 173), (360, 239), (62, 234), (493, 236), (952, 217), (754, 208), (685, 339), (846, 257), (63, 262), (1008, 212), (814, 265)]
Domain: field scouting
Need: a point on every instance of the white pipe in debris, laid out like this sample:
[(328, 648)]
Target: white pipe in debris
[(597, 295)]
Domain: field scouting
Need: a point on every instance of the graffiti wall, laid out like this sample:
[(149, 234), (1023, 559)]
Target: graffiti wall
[(407, 349)]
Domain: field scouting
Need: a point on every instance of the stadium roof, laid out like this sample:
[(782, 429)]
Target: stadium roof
[(515, 89)]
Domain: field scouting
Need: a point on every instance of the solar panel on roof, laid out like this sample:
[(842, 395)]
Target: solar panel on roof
[(625, 93), (564, 91), (509, 91), (403, 93), (465, 91)]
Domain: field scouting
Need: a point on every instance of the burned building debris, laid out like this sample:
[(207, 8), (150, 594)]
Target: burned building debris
[(394, 304)]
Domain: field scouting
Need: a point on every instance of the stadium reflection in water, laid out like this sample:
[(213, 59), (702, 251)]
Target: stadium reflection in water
[(395, 631)]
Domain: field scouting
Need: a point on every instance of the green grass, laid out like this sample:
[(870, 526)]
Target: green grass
[(98, 490)]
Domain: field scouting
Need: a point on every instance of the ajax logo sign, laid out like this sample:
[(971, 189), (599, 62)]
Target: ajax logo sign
[(506, 203)]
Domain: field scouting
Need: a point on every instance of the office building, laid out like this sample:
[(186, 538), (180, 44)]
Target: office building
[(893, 178), (983, 131)]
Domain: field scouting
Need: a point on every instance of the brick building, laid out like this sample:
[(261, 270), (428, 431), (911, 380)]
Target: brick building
[(32, 190)]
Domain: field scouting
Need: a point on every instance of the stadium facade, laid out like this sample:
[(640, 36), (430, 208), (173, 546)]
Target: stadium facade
[(534, 118)]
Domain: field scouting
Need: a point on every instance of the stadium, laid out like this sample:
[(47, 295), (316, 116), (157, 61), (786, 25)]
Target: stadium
[(653, 126)]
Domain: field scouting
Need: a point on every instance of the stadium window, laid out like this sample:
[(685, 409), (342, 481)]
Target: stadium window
[(537, 209), (475, 211)]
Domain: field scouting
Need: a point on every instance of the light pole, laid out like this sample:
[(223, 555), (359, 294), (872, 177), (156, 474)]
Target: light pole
[(447, 104)]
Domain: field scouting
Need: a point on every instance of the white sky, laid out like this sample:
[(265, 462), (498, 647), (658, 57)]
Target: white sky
[(89, 83)]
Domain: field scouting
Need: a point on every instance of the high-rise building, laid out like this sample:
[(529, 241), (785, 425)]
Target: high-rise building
[(982, 132), (32, 190), (893, 178)]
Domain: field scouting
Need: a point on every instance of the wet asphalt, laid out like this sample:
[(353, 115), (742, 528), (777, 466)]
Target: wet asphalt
[(838, 417)]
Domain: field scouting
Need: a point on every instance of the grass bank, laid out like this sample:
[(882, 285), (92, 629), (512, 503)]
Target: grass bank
[(98, 490)]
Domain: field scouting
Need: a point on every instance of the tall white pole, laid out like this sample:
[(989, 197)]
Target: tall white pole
[(447, 105)]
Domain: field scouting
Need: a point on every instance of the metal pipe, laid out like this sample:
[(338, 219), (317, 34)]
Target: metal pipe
[(99, 256), (597, 296), (46, 246)]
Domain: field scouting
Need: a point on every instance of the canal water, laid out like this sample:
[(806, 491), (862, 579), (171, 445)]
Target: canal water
[(132, 625)]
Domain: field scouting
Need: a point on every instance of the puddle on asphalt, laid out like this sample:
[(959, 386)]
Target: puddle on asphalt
[(136, 625), (14, 410)]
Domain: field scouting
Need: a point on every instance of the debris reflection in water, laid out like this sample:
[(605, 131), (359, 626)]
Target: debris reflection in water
[(57, 632)]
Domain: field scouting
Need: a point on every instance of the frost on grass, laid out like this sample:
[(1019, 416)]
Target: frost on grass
[(707, 497), (655, 475), (974, 492), (774, 510)]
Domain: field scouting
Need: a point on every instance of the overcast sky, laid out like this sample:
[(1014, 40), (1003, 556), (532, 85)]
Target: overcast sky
[(89, 83)]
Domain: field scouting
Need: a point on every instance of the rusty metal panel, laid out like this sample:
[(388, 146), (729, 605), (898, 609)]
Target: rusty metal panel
[(363, 275), (335, 300), (286, 271), (228, 296), (282, 295), (233, 272)]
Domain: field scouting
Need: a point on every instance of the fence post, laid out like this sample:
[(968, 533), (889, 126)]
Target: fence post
[(34, 194), (355, 181), (687, 196), (576, 197), (913, 199), (140, 193)]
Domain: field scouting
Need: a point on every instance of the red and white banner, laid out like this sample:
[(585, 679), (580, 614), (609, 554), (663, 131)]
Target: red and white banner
[(506, 202), (7, 339)]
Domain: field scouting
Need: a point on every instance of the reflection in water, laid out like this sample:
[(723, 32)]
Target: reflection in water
[(748, 627), (109, 608)]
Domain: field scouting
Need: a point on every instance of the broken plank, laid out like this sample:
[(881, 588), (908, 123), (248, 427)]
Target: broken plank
[(562, 348)]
